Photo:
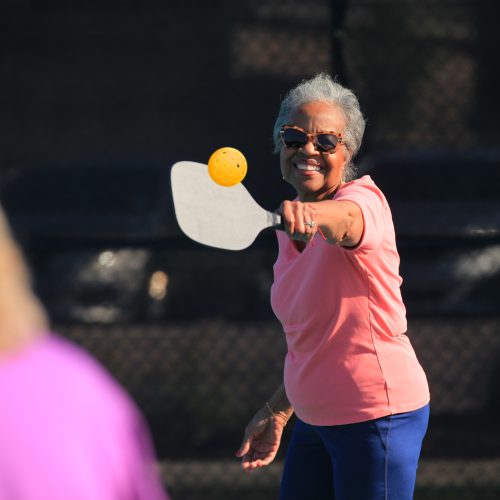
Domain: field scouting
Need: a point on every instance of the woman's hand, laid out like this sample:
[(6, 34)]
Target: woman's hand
[(261, 440), (338, 222), (299, 220)]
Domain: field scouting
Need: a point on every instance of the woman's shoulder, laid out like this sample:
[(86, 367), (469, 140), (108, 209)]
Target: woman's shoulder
[(363, 187), (364, 181)]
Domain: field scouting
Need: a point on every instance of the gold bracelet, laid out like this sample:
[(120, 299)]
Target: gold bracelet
[(268, 406)]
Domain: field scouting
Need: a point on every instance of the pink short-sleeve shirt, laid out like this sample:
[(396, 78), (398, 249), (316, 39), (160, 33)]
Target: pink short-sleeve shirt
[(348, 357)]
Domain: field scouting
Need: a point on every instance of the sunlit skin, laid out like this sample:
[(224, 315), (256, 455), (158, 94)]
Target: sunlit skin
[(340, 222), (22, 318), (315, 185), (263, 434)]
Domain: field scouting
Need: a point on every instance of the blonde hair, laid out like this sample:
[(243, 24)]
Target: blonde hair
[(22, 317)]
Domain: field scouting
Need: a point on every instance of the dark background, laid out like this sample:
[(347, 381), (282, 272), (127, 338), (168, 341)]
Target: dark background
[(99, 98)]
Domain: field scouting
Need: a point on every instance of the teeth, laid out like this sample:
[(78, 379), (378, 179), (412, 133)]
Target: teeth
[(308, 167)]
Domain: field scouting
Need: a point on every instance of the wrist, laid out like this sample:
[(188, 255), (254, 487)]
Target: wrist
[(280, 415)]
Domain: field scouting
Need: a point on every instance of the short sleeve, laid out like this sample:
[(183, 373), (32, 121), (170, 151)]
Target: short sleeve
[(373, 207)]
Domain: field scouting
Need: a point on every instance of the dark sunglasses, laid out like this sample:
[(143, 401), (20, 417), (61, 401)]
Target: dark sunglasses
[(296, 138)]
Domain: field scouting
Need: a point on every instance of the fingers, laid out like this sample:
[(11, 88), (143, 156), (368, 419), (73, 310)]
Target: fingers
[(260, 442), (249, 463), (251, 458), (288, 215), (256, 457), (253, 429), (244, 448), (298, 220)]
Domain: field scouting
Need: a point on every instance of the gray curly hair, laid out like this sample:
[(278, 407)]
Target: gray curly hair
[(324, 88)]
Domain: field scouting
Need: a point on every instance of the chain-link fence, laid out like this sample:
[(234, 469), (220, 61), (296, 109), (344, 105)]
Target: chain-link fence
[(113, 80), (199, 383)]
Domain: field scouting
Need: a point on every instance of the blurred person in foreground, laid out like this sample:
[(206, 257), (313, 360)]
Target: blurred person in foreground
[(351, 376), (67, 429)]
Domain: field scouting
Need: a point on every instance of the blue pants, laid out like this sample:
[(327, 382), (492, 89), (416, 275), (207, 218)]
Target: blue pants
[(374, 460)]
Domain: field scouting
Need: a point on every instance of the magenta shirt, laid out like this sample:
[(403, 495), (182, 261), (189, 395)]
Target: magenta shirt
[(348, 357), (68, 431)]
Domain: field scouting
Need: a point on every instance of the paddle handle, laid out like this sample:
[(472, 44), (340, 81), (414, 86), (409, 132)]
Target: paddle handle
[(275, 221)]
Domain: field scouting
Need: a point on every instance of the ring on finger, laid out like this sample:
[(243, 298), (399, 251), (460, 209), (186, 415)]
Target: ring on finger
[(309, 224)]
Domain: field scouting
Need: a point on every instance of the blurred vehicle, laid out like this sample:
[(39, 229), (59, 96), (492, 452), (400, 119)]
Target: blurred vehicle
[(104, 247), (446, 211)]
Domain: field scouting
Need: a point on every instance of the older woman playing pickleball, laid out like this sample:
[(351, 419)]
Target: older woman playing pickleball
[(351, 375)]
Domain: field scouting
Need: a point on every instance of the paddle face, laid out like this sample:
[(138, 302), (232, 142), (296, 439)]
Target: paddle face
[(214, 215)]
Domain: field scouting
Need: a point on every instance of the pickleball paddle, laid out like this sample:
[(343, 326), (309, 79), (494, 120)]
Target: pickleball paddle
[(214, 215)]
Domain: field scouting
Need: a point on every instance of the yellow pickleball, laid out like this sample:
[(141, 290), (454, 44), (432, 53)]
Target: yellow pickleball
[(227, 166)]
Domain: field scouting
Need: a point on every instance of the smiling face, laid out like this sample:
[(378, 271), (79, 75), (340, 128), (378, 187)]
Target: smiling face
[(314, 175)]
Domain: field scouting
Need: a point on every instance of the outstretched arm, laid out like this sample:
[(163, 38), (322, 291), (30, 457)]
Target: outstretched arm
[(340, 222)]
